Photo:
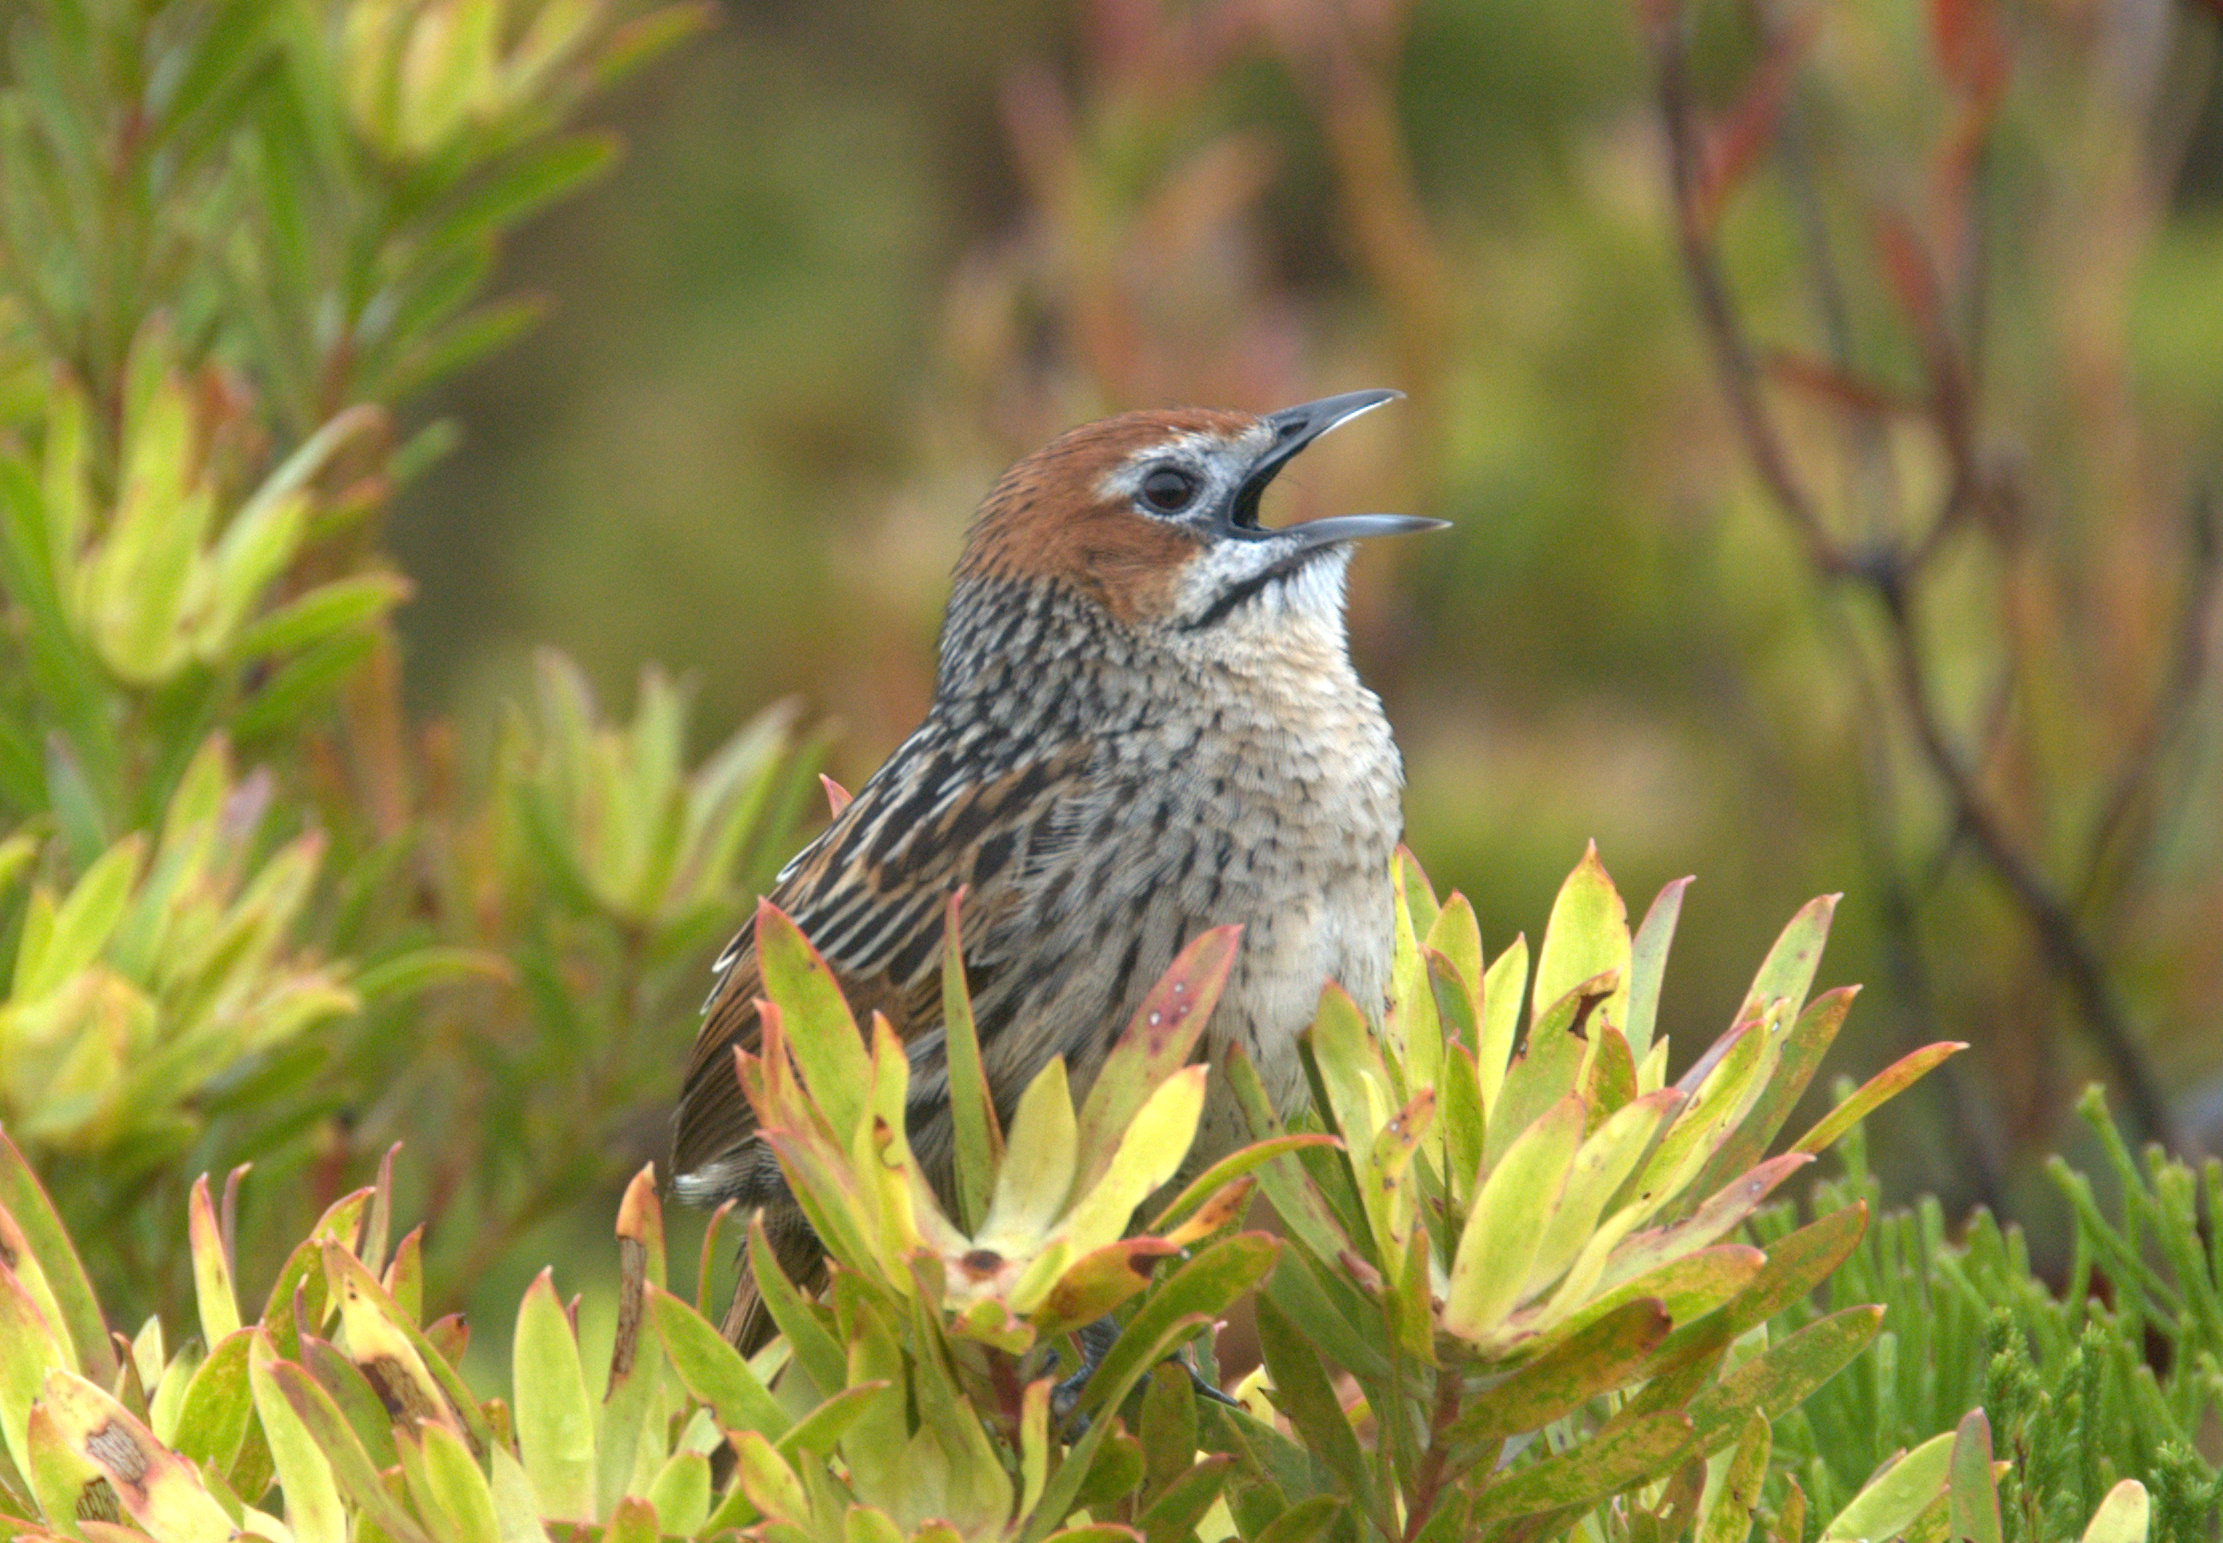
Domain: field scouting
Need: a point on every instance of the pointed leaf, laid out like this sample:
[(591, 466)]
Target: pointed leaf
[(313, 1507), (1612, 1461), (1508, 1223), (1875, 1092), (1588, 936), (2121, 1517), (1889, 1503), (1648, 964), (25, 1200), (1789, 968), (1604, 1356), (1779, 1378), (1155, 1044), (973, 1123), (555, 1422), (713, 1370), (821, 1034)]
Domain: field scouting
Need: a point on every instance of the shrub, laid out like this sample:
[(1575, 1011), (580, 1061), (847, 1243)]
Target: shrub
[(1597, 1384)]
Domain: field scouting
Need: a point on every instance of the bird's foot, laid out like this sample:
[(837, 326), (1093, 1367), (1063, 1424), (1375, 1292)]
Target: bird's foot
[(1096, 1340)]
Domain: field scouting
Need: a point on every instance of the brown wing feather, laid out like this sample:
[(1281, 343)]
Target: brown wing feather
[(870, 893)]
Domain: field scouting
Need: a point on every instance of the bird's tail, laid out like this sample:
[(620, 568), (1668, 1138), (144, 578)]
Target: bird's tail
[(796, 1254)]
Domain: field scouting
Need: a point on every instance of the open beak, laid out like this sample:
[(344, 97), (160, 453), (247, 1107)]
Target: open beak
[(1294, 428)]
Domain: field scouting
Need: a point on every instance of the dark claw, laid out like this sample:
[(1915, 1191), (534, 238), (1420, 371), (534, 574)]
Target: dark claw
[(1096, 1342), (1205, 1389)]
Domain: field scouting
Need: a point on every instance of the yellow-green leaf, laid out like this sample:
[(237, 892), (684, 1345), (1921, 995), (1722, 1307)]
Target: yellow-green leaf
[(1507, 1225), (555, 1421)]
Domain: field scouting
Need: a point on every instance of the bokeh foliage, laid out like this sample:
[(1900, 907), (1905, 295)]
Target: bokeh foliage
[(870, 253), (254, 914)]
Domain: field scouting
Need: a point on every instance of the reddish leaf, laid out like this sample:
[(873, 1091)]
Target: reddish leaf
[(1971, 50), (1735, 144), (1834, 387)]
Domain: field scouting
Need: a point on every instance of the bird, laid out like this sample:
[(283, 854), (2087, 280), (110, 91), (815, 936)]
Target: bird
[(1145, 724)]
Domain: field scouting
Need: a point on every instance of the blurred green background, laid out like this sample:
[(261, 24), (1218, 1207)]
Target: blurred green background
[(1826, 396), (857, 257)]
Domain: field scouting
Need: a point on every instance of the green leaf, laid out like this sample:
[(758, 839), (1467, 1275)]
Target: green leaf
[(1688, 1286), (1612, 1461), (2121, 1517), (302, 685), (327, 1439), (1874, 1093), (1730, 1518), (681, 1493), (212, 1422), (372, 1315), (82, 925), (474, 335), (1302, 1392), (538, 177), (212, 1267), (818, 1354), (1789, 968), (323, 613), (1304, 1521), (973, 1122), (1796, 1264), (1648, 964), (313, 1507), (1172, 1516), (1502, 989), (1779, 1378), (27, 1205), (1202, 1289), (1229, 1168), (1295, 1199), (1587, 937), (713, 1370), (1546, 1070), (1603, 1356), (555, 1422), (1889, 1503), (1508, 1223), (303, 1271), (1155, 1045), (1347, 1326), (1721, 1212), (1972, 1493), (821, 1033), (28, 1354), (1800, 1057)]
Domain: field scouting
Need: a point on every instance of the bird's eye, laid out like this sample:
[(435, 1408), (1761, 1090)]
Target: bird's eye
[(1169, 489)]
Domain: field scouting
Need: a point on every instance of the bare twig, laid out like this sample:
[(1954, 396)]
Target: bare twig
[(2179, 692), (1889, 569), (2062, 942), (1732, 351)]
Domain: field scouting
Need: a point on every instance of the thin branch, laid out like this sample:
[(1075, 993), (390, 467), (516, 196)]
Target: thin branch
[(2177, 695), (1888, 572), (1740, 372), (2066, 950)]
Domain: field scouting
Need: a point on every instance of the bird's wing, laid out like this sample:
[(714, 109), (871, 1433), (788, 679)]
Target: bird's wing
[(870, 894)]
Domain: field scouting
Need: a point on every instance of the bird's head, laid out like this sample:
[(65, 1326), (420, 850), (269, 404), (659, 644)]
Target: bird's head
[(1153, 516)]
